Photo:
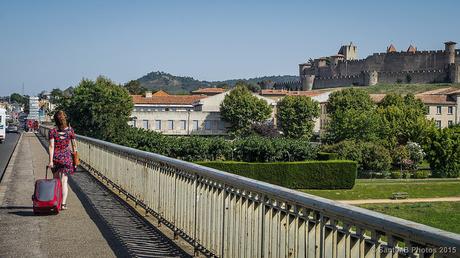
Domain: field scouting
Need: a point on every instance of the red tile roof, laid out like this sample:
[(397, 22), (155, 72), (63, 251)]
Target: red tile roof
[(377, 97), (436, 99), (309, 93), (208, 90), (273, 92), (425, 98), (167, 99), (160, 93)]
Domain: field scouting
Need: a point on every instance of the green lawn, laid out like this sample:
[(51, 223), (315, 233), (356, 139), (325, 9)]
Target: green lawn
[(383, 188), (442, 215), (406, 88)]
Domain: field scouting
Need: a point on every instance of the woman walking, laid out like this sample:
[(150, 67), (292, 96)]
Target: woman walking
[(61, 146)]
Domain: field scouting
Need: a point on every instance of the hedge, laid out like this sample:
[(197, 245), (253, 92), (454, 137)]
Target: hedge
[(333, 174)]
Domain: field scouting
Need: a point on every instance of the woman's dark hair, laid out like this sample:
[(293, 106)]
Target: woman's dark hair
[(60, 118)]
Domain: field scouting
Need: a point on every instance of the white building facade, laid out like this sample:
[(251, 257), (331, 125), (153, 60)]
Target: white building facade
[(181, 114)]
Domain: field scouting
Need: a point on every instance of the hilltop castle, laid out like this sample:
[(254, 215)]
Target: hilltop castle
[(410, 66)]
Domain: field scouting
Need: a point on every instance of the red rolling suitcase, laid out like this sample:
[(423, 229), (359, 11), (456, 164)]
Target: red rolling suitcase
[(47, 196)]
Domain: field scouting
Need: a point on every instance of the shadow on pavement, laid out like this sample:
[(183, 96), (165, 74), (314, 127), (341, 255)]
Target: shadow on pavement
[(15, 207), (127, 233), (22, 213)]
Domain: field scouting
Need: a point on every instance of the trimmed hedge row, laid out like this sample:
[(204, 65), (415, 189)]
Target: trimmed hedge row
[(333, 174)]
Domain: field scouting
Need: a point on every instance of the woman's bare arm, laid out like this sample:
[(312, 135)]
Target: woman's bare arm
[(51, 151), (74, 145)]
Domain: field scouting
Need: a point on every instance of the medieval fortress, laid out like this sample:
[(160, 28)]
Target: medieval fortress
[(410, 66)]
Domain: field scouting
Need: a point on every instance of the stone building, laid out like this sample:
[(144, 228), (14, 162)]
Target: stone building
[(410, 66), (181, 114)]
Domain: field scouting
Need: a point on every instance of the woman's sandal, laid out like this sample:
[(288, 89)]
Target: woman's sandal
[(64, 206)]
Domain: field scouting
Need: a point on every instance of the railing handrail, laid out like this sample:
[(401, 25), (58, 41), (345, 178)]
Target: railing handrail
[(358, 216)]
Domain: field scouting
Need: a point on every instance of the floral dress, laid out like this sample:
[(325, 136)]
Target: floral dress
[(62, 158)]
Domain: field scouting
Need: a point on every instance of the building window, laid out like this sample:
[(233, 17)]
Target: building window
[(158, 124), (427, 110), (450, 110), (195, 125), (134, 123), (438, 123), (207, 124), (183, 124), (222, 125), (145, 124), (438, 110), (170, 124), (450, 123)]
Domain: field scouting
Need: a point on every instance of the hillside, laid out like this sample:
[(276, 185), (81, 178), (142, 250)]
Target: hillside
[(182, 84), (406, 88)]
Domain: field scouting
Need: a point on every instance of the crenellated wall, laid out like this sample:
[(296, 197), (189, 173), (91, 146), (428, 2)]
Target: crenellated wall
[(371, 78), (338, 81), (419, 76), (389, 62)]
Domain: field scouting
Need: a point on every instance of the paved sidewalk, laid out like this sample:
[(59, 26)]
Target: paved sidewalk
[(72, 233), (408, 200), (97, 224)]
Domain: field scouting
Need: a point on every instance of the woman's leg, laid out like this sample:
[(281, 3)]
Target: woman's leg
[(65, 188)]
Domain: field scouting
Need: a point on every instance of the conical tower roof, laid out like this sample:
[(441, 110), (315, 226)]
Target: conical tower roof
[(391, 48), (411, 49)]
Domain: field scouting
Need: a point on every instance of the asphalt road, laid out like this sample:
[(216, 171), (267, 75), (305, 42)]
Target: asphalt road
[(6, 149)]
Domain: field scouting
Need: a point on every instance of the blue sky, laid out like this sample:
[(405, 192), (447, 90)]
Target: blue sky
[(54, 44)]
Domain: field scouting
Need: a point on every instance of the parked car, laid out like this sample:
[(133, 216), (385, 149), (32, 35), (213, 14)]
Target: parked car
[(12, 129)]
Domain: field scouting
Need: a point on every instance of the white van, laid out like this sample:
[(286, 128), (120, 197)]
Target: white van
[(2, 125)]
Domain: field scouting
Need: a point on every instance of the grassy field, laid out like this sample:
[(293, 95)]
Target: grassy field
[(443, 215), (406, 88), (383, 188)]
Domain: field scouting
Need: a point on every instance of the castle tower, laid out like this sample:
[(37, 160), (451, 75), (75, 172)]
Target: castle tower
[(370, 78), (450, 52), (307, 77), (349, 51)]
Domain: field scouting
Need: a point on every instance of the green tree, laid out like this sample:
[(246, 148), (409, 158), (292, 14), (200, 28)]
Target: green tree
[(371, 157), (134, 87), (18, 98), (98, 108), (242, 109), (254, 87), (403, 119), (296, 116), (352, 116), (56, 94), (349, 99), (442, 149)]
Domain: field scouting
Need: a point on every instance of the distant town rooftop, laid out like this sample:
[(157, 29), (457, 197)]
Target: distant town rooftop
[(208, 90), (166, 99), (438, 96)]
